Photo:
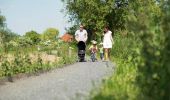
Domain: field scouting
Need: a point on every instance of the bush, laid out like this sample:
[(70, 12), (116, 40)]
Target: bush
[(22, 64)]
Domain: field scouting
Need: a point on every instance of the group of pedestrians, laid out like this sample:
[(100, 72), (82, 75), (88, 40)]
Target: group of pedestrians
[(105, 45)]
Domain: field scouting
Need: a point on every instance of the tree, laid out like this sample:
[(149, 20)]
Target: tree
[(2, 35), (95, 14), (6, 35), (2, 20), (50, 34), (151, 25), (34, 36), (165, 52)]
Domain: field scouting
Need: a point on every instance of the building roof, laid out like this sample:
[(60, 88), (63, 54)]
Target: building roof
[(67, 37)]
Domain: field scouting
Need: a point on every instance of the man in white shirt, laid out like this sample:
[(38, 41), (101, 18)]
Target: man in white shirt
[(81, 34), (81, 38)]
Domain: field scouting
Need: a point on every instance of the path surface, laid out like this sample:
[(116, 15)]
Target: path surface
[(68, 83)]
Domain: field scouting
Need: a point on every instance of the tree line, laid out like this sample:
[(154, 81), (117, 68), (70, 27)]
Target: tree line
[(11, 39)]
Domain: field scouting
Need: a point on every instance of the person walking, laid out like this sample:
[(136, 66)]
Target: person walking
[(81, 34), (81, 37), (93, 50), (107, 43)]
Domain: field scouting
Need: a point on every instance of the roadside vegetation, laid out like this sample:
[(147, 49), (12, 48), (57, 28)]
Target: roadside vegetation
[(141, 49), (32, 52)]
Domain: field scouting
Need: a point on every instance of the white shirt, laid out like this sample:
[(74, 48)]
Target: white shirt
[(81, 35)]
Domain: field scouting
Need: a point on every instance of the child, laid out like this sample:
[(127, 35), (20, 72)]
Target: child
[(101, 51), (93, 50)]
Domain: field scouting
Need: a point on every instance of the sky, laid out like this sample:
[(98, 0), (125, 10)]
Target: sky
[(38, 15)]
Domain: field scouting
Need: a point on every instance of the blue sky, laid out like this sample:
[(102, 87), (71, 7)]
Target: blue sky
[(38, 15)]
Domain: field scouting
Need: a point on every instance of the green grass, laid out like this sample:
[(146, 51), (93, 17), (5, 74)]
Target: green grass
[(121, 86)]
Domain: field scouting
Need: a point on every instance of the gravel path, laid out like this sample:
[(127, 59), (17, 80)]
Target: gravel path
[(68, 83)]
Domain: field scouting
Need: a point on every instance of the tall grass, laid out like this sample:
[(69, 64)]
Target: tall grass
[(121, 85)]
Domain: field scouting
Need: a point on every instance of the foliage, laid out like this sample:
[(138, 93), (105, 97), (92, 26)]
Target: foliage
[(71, 30), (121, 85), (2, 20), (50, 34), (22, 42), (5, 37), (147, 54), (33, 36), (16, 58), (22, 63), (154, 64), (95, 14)]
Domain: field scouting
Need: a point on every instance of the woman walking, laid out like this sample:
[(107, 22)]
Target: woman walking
[(107, 43)]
